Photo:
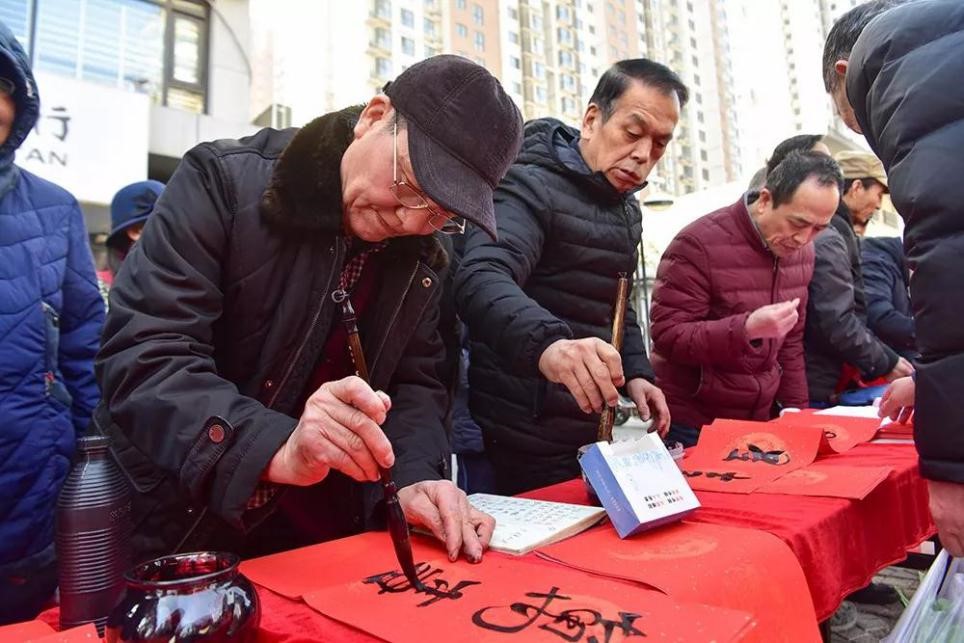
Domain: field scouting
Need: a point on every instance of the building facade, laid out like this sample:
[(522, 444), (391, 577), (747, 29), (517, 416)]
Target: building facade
[(128, 86)]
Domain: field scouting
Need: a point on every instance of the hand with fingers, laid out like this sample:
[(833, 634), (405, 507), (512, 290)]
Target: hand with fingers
[(902, 369), (773, 320), (650, 402), (897, 402), (590, 368), (339, 429), (946, 500), (444, 509)]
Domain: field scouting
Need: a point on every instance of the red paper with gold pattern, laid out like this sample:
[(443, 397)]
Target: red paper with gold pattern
[(830, 481), (740, 456), (730, 567), (841, 432)]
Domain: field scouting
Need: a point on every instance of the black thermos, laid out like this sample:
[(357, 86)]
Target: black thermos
[(93, 535)]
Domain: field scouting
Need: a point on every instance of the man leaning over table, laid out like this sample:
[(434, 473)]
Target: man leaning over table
[(538, 301), (228, 387), (730, 300), (893, 70)]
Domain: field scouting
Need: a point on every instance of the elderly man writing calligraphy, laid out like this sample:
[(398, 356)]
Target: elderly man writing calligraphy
[(227, 379)]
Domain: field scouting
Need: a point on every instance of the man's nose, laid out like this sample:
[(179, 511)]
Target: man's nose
[(642, 150)]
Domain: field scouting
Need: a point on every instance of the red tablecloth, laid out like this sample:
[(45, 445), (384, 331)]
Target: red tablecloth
[(840, 543)]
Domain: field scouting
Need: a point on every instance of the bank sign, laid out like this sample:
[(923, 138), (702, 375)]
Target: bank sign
[(89, 139)]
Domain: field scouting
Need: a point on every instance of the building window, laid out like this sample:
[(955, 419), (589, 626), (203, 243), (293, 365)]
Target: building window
[(157, 47), (383, 67), (461, 30), (564, 35), (535, 21), (513, 13), (513, 37), (383, 9), (460, 4), (562, 13), (478, 15), (565, 59), (516, 87), (706, 175), (408, 18), (428, 26), (541, 95), (567, 82), (408, 46), (703, 155), (515, 62), (479, 41), (430, 51), (383, 38), (538, 70)]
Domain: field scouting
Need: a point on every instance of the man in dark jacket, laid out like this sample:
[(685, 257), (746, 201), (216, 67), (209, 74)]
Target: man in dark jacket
[(886, 283), (51, 314), (226, 372), (731, 296), (538, 303), (837, 339), (895, 76)]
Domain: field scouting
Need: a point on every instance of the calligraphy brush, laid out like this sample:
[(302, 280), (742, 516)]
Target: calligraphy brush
[(608, 416), (397, 525)]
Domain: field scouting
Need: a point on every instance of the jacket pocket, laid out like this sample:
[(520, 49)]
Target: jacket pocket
[(53, 386)]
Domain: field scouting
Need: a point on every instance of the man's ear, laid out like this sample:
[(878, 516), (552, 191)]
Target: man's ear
[(841, 68), (764, 199), (590, 121), (377, 111)]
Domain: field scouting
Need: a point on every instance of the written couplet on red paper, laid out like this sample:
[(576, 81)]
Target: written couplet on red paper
[(357, 581), (741, 456)]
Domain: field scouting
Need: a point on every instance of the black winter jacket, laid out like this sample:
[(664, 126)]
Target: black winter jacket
[(217, 321), (836, 330), (905, 84), (888, 300), (843, 223), (565, 234)]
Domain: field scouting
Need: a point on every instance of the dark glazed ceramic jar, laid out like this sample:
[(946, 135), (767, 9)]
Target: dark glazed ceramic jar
[(186, 597)]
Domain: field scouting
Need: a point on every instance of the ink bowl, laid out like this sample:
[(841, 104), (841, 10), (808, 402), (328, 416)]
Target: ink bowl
[(199, 596)]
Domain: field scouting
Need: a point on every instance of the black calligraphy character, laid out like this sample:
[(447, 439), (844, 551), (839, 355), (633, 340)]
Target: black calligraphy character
[(569, 625), (64, 119), (394, 582), (728, 476), (573, 620), (756, 454), (692, 474)]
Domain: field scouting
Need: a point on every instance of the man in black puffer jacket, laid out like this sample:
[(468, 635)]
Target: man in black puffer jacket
[(895, 76), (538, 303), (886, 281), (226, 369)]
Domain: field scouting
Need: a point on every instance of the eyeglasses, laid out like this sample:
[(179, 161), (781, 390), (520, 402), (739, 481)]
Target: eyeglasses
[(410, 197)]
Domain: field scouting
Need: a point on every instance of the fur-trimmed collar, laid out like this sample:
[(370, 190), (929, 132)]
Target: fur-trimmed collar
[(304, 194)]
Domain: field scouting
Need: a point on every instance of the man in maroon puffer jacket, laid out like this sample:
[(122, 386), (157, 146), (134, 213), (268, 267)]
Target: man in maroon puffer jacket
[(731, 297)]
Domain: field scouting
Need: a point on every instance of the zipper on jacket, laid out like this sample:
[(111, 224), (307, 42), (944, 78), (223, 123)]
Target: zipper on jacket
[(339, 254), (391, 321)]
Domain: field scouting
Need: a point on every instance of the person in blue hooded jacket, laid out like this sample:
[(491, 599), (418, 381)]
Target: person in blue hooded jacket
[(51, 315)]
